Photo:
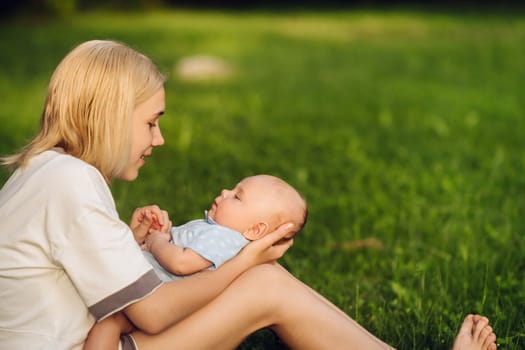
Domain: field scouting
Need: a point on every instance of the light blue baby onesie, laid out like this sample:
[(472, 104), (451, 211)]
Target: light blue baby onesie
[(212, 241)]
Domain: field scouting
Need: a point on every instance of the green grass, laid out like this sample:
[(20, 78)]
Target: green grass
[(401, 126)]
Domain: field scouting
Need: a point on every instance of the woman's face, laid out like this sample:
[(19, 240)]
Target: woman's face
[(145, 134)]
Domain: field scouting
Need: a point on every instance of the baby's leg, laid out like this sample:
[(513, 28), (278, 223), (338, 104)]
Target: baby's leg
[(475, 334), (106, 333)]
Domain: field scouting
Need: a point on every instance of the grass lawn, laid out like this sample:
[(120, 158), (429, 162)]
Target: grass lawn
[(404, 130)]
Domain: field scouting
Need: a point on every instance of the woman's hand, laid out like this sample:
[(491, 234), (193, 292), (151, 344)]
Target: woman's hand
[(270, 248), (146, 219)]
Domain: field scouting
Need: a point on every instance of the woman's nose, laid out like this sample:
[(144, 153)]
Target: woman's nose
[(158, 140)]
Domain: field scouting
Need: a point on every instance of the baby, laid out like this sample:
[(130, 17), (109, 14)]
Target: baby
[(256, 206)]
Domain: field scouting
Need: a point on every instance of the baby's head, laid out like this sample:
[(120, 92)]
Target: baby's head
[(258, 205)]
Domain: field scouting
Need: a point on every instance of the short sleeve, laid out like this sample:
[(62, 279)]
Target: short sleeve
[(217, 244), (96, 248)]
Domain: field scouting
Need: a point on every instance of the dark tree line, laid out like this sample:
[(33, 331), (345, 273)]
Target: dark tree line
[(64, 8)]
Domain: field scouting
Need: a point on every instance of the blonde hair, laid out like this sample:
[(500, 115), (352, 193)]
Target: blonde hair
[(89, 105)]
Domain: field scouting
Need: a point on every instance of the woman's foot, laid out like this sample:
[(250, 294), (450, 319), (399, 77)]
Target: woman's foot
[(475, 334)]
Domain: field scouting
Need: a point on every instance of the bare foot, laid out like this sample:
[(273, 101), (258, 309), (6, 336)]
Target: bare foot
[(475, 334)]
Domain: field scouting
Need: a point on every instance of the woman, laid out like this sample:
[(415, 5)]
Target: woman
[(66, 259)]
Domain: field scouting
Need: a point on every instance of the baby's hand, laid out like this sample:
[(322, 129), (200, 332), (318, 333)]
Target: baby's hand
[(156, 237)]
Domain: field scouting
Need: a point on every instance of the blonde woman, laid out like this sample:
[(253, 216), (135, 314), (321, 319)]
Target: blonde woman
[(67, 260)]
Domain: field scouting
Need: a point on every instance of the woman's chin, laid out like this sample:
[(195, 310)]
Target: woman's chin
[(129, 175)]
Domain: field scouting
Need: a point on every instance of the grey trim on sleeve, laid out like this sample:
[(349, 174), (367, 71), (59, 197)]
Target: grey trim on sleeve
[(127, 343), (135, 291)]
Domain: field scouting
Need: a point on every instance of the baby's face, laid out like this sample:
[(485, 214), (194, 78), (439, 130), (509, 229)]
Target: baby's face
[(243, 206)]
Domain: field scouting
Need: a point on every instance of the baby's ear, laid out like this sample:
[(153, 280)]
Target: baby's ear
[(256, 231)]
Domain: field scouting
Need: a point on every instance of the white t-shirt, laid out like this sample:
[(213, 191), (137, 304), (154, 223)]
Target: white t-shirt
[(66, 258)]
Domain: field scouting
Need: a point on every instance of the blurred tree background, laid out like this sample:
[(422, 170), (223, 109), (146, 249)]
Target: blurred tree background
[(66, 8)]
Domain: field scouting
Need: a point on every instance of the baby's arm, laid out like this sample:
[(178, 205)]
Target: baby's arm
[(105, 335), (175, 259)]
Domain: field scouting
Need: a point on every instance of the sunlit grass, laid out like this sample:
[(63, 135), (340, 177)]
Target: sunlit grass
[(404, 129)]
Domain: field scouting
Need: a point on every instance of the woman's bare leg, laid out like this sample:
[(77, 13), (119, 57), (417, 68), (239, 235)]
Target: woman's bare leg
[(265, 296), (474, 334), (339, 311), (269, 296)]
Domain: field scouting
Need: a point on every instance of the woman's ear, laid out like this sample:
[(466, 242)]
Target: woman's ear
[(256, 231)]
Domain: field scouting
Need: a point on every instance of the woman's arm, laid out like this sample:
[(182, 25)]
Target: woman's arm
[(175, 300), (178, 260)]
